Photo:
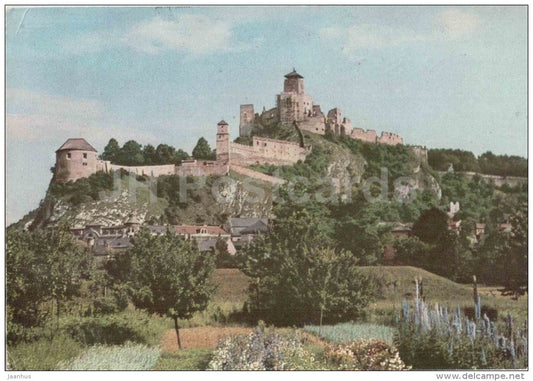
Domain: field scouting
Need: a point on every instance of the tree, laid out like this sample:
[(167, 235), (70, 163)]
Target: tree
[(24, 277), (296, 278), (131, 154), (431, 225), (64, 263), (111, 151), (361, 241), (149, 155), (169, 277), (411, 251), (202, 150)]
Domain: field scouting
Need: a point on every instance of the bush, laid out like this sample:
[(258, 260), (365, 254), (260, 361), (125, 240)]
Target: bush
[(117, 301), (262, 350), (42, 354), (125, 357), (366, 354), (112, 329)]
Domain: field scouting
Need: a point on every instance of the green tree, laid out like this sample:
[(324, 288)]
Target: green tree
[(111, 151), (64, 263), (149, 155), (516, 264), (202, 150), (24, 277), (431, 225), (169, 277), (296, 278), (131, 154), (412, 252)]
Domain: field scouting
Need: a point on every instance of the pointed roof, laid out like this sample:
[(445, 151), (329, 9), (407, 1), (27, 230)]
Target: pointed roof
[(222, 122), (78, 144), (293, 74)]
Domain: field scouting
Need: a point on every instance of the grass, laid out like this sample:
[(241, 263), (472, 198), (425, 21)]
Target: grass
[(186, 359), (124, 357), (347, 332), (43, 354)]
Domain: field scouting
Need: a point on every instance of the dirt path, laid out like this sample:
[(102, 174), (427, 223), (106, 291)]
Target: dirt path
[(200, 337)]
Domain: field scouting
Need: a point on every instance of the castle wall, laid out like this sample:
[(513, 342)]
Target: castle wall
[(142, 170), (314, 124), (74, 165), (369, 136), (201, 168), (294, 107), (267, 151), (420, 152), (390, 138)]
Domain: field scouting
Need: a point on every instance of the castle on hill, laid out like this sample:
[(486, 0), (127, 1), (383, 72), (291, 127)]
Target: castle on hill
[(76, 158), (295, 105)]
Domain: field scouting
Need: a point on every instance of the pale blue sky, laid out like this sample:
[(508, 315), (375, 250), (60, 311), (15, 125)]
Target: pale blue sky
[(453, 77)]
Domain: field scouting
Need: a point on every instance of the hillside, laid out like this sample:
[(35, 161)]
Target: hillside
[(109, 199)]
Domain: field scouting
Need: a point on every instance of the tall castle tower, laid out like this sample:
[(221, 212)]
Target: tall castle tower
[(223, 149), (75, 159), (247, 119), (293, 103)]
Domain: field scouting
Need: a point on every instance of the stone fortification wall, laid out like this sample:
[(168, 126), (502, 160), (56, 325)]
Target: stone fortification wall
[(420, 152), (315, 124), (143, 170), (498, 181), (201, 168), (369, 136), (267, 151), (256, 175), (390, 138)]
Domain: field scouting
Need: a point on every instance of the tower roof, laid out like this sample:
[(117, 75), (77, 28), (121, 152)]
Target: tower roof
[(222, 122), (293, 74), (78, 144)]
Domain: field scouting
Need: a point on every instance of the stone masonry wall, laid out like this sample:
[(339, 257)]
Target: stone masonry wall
[(369, 136), (267, 151), (390, 138)]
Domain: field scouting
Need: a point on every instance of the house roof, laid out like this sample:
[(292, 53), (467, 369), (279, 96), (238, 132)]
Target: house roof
[(293, 74), (78, 144), (248, 225), (222, 122), (196, 229), (103, 245)]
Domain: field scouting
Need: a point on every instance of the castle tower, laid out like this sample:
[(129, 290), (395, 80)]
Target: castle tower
[(75, 159), (247, 119), (223, 151), (293, 103)]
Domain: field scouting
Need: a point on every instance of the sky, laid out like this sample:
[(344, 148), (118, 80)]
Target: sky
[(440, 76)]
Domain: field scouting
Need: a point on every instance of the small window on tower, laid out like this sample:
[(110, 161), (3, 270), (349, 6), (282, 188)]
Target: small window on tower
[(85, 156), (68, 155), (84, 164)]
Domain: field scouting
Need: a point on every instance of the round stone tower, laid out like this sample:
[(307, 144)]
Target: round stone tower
[(75, 159)]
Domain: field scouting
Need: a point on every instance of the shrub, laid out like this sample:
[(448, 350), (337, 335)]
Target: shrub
[(365, 354), (124, 357), (262, 350), (42, 354), (112, 329)]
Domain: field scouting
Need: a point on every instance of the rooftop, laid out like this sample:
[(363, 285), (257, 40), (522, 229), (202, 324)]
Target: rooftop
[(79, 144), (293, 74)]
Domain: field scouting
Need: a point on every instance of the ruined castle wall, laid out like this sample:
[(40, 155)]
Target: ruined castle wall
[(267, 151), (369, 136), (294, 107), (390, 138), (314, 124), (144, 170), (420, 152), (201, 168)]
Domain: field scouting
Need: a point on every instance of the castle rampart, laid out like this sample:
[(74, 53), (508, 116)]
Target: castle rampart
[(390, 138), (369, 136), (267, 151)]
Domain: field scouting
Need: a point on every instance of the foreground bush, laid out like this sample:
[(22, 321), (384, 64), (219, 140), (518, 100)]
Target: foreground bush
[(262, 350), (365, 354), (126, 357), (42, 354), (347, 332), (113, 329)]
